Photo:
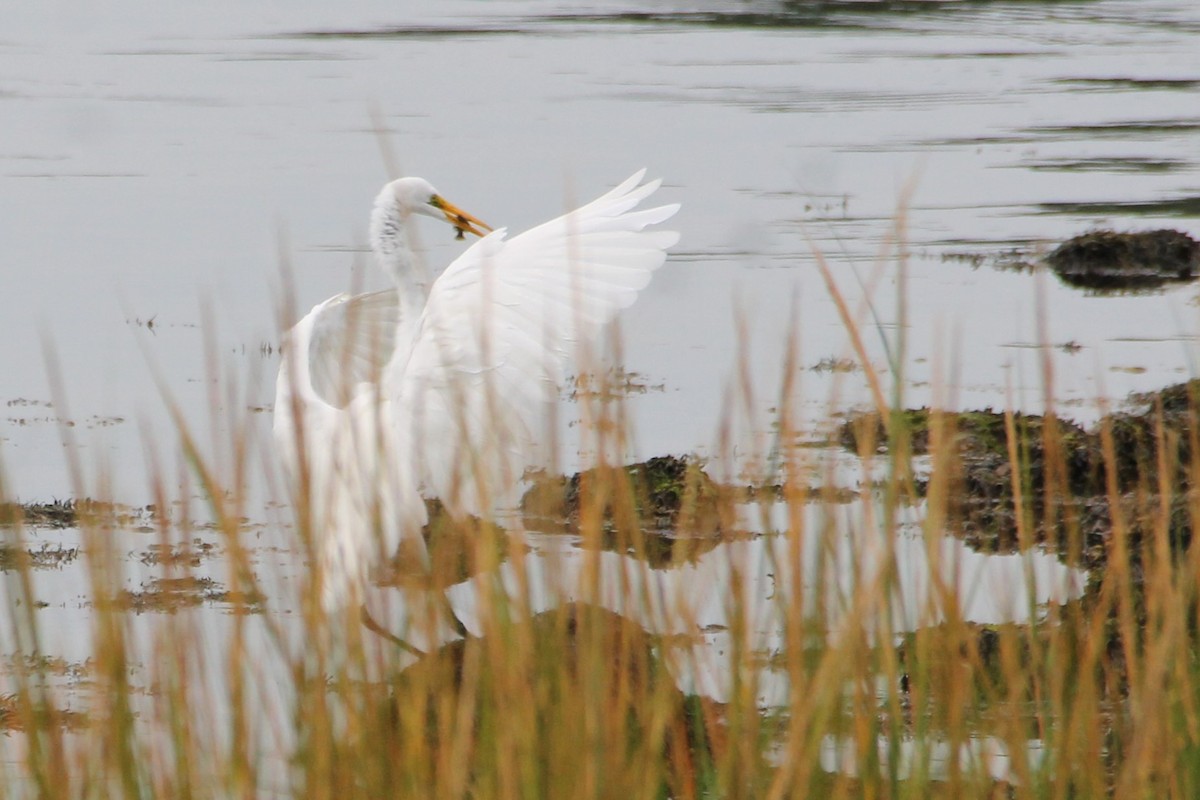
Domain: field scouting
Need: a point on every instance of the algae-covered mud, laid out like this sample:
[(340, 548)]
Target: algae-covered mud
[(1111, 261), (1106, 262), (1116, 498), (1133, 454)]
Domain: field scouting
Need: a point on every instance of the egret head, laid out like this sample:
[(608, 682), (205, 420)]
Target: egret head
[(417, 195)]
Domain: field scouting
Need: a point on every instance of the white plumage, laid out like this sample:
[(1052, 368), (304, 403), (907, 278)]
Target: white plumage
[(443, 386)]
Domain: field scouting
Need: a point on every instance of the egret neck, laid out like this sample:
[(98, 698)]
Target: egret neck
[(390, 244)]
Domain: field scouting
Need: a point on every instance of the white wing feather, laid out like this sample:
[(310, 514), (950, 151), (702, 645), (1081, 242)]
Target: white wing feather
[(498, 329), (353, 338)]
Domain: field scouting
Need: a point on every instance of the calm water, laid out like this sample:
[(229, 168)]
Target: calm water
[(158, 166), (152, 170)]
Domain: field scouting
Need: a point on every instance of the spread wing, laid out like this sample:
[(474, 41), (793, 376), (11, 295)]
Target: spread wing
[(352, 339), (500, 325), (326, 419)]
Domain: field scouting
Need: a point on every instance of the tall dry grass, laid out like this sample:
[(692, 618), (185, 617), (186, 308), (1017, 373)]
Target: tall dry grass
[(1099, 697)]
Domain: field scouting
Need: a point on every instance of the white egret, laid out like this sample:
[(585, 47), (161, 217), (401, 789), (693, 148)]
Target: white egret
[(442, 385)]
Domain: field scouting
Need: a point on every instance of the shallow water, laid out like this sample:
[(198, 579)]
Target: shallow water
[(153, 173), (157, 173), (682, 606)]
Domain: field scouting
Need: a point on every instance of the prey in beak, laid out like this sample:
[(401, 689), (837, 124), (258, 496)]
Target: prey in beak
[(461, 220)]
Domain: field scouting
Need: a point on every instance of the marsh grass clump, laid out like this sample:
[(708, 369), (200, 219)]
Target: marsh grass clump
[(580, 700)]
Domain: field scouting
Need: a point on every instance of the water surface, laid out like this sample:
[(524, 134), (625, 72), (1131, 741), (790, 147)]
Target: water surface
[(155, 172)]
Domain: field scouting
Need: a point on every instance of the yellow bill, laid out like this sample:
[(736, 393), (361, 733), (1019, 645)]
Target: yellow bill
[(461, 220)]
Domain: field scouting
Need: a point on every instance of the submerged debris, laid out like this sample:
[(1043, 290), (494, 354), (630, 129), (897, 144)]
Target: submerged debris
[(15, 718), (834, 364), (1014, 259), (171, 594), (181, 554), (67, 513), (44, 557), (616, 383), (1107, 261), (55, 514)]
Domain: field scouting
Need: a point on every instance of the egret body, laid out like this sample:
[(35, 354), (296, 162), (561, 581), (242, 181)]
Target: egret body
[(441, 386)]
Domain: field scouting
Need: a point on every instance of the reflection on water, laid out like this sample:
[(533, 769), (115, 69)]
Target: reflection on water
[(935, 761), (842, 557), (687, 608)]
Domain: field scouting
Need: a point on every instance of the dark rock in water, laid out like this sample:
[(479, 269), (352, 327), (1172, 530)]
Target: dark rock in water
[(979, 440), (1107, 261), (1062, 471), (668, 503)]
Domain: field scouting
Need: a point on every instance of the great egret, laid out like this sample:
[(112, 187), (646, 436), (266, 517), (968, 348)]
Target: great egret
[(442, 385)]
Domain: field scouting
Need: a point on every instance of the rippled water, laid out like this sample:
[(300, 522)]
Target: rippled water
[(158, 165)]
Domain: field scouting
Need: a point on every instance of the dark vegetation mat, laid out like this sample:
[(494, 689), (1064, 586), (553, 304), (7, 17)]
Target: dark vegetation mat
[(1106, 260), (1125, 487)]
